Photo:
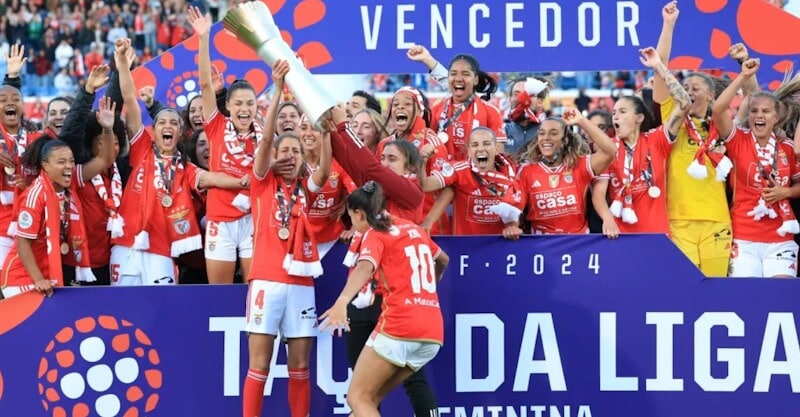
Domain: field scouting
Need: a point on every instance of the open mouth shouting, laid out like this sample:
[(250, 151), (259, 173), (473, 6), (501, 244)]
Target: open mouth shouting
[(244, 118), (197, 121), (11, 114), (401, 121), (760, 126), (168, 138), (482, 161), (288, 126), (66, 177)]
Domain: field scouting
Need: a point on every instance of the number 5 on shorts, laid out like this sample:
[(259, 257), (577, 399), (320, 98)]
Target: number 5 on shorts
[(422, 268)]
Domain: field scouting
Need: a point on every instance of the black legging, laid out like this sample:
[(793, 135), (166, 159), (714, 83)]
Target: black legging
[(362, 323)]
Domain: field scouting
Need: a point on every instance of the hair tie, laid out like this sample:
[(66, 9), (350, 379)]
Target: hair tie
[(369, 187)]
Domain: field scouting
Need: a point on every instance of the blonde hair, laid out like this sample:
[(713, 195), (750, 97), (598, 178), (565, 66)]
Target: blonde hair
[(573, 146), (377, 121)]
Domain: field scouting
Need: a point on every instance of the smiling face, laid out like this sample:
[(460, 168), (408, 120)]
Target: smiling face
[(196, 113), (550, 139), (309, 137), (403, 112), (167, 129), (462, 81), (59, 166), (288, 119), (242, 107), (56, 113), (482, 149), (365, 129), (11, 105), (763, 116)]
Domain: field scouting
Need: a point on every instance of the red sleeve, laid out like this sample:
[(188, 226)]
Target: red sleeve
[(362, 166), (660, 138), (371, 248), (193, 173), (494, 121), (141, 144), (30, 220)]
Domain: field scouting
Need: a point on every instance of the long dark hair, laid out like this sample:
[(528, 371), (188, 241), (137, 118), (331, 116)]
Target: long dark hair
[(369, 198), (486, 84), (640, 107), (410, 151)]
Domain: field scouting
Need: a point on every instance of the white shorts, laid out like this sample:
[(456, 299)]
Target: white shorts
[(5, 248), (755, 259), (11, 291), (224, 240), (278, 308), (403, 353), (132, 267)]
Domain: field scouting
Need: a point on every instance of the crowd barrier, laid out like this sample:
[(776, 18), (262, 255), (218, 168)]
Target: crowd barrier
[(572, 326)]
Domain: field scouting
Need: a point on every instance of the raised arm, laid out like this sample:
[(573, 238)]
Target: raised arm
[(669, 14), (133, 115), (74, 131), (607, 150), (278, 79), (14, 64), (679, 95), (105, 157), (202, 28), (320, 176), (421, 54), (720, 116)]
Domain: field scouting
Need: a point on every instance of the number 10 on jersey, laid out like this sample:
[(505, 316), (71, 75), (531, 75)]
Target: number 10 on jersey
[(423, 270)]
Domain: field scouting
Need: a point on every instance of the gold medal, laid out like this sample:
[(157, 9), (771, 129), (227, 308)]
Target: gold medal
[(283, 233), (64, 248), (166, 201), (443, 137)]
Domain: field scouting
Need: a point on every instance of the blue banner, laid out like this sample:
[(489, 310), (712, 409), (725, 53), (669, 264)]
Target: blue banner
[(548, 326), (367, 36)]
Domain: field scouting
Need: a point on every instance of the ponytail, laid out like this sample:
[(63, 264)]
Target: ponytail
[(39, 151), (369, 198)]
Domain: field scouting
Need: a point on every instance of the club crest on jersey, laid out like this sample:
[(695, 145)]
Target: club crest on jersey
[(181, 226), (782, 155), (447, 170), (554, 180), (568, 177)]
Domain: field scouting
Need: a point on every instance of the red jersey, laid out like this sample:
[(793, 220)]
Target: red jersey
[(746, 180), (30, 225), (434, 163), (649, 158), (475, 193), (556, 196), (266, 223), (20, 142), (95, 208), (403, 258), (459, 126), (328, 199), (227, 155), (131, 208)]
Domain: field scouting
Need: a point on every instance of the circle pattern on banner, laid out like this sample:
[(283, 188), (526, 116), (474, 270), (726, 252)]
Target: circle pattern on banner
[(103, 366)]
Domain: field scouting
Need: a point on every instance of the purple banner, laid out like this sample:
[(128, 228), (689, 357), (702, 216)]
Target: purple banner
[(547, 326), (366, 37)]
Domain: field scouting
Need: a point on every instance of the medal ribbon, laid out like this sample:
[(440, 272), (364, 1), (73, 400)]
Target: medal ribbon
[(444, 124), (286, 210), (167, 174), (65, 219)]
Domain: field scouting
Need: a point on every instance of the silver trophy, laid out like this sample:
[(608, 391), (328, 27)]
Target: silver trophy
[(253, 25)]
